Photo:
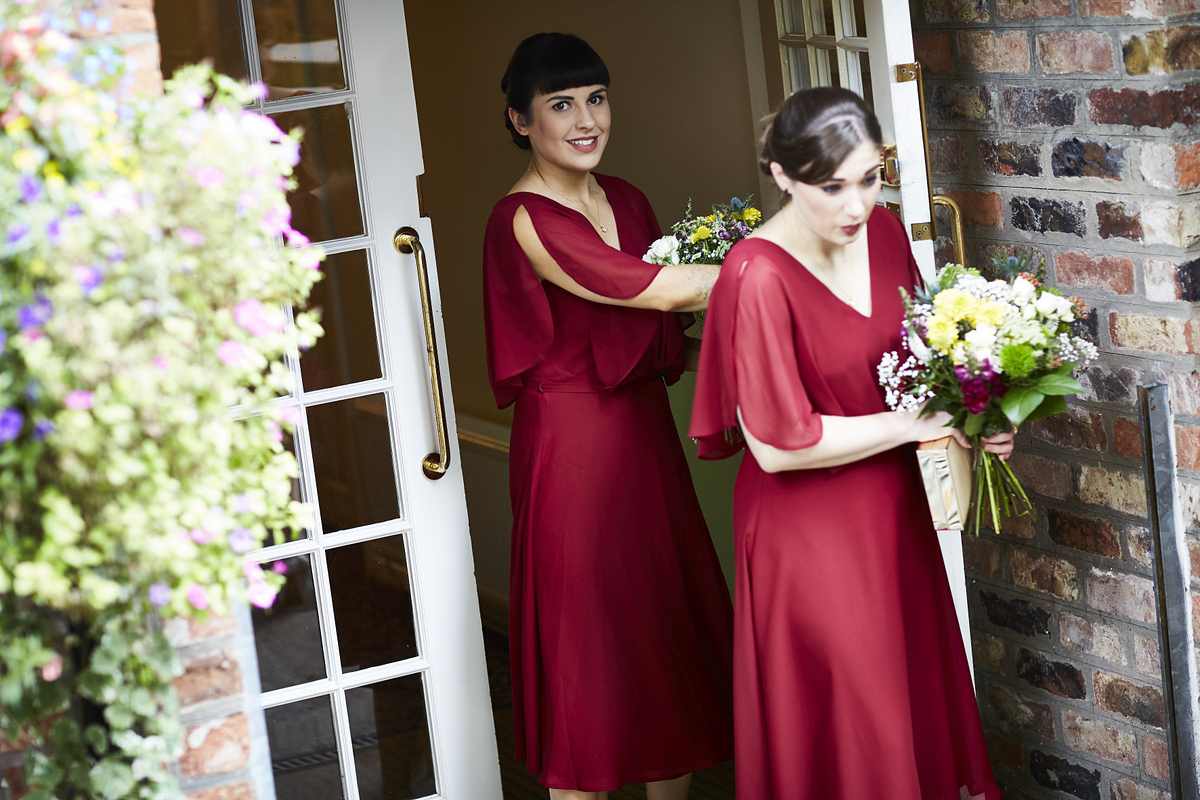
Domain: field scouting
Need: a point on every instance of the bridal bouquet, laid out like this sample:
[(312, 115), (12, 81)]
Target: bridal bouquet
[(705, 240), (992, 353)]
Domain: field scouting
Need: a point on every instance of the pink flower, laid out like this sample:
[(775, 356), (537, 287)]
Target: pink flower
[(310, 259), (258, 90), (277, 220), (190, 236), (295, 238), (261, 595), (233, 353), (78, 400), (200, 536), (256, 318), (161, 363), (52, 670), (279, 568), (252, 570), (197, 595), (292, 415), (274, 431), (209, 177)]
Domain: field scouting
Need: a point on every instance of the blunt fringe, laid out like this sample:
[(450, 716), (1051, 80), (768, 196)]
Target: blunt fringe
[(546, 63), (814, 130)]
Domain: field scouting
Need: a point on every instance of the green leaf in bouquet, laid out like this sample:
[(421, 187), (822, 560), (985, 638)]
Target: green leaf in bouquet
[(974, 424), (1058, 384), (1053, 404), (1018, 404)]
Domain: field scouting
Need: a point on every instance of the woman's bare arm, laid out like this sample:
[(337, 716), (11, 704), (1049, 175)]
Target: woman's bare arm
[(684, 287), (845, 440)]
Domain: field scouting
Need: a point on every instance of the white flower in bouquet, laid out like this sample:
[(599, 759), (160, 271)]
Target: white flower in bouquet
[(664, 250)]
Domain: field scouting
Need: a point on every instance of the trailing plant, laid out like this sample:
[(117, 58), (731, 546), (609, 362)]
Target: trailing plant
[(147, 269)]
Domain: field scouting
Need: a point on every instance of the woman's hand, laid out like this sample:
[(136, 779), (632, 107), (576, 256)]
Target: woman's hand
[(1001, 444), (931, 427)]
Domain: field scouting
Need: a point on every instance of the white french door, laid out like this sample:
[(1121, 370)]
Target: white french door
[(371, 665), (867, 46)]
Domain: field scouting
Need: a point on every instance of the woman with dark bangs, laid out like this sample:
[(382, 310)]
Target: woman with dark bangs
[(620, 621)]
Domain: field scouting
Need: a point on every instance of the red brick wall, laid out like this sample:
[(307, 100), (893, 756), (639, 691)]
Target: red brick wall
[(1069, 129)]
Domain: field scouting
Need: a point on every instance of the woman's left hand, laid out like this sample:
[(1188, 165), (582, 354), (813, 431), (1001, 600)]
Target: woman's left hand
[(1001, 444)]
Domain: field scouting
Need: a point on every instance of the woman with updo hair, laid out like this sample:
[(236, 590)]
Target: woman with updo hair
[(620, 623), (850, 678)]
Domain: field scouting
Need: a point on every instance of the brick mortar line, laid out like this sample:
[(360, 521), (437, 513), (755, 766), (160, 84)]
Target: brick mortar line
[(1074, 606), (1077, 658), (210, 710)]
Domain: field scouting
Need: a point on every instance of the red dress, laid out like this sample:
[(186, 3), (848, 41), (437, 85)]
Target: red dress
[(849, 672), (620, 624)]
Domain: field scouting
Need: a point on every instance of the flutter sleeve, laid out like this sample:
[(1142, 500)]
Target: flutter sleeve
[(519, 325), (748, 361)]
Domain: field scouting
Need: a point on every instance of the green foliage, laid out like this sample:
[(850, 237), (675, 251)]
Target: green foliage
[(144, 284)]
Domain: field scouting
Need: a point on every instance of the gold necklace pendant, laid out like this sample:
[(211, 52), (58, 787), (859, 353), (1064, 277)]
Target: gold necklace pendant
[(571, 203)]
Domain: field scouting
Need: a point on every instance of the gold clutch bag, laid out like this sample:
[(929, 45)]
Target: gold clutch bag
[(946, 471)]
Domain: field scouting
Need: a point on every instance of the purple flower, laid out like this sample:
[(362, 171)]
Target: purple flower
[(242, 503), (279, 568), (233, 353), (976, 394), (78, 400), (88, 278), (11, 422), (241, 540), (197, 595), (35, 314), (209, 177), (16, 232), (159, 594), (31, 189), (3, 340), (190, 236), (54, 231), (260, 594), (42, 428)]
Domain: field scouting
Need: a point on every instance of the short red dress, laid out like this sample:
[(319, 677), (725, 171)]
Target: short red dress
[(849, 672), (620, 623)]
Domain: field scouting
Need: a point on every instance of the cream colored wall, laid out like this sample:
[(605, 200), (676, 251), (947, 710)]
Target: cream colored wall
[(682, 128)]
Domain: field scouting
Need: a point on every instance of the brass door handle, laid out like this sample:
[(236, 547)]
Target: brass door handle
[(434, 465), (956, 219)]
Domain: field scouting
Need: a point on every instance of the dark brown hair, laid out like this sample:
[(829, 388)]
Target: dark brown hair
[(814, 130), (545, 63)]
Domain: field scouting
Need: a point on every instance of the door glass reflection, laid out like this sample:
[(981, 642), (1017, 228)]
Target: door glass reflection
[(860, 20), (304, 757), (865, 62), (287, 635), (198, 30), (298, 47), (352, 462), (348, 352), (391, 740), (325, 201), (371, 603), (798, 64)]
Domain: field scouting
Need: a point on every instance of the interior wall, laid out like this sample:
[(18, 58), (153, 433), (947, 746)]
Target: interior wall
[(682, 128)]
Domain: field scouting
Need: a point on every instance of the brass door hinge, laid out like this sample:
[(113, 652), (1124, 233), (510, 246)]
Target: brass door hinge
[(922, 231), (907, 72)]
